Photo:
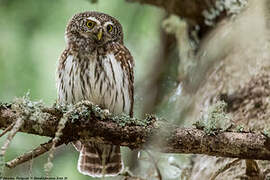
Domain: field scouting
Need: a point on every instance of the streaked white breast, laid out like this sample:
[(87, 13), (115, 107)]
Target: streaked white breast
[(100, 80)]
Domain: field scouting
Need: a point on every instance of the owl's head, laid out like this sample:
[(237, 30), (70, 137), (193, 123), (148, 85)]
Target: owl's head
[(95, 27)]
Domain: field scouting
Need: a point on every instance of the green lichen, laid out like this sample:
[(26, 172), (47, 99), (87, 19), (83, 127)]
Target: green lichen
[(77, 112), (240, 128), (31, 110), (121, 120), (266, 133), (25, 106), (125, 120), (5, 105), (86, 110), (101, 113), (215, 120)]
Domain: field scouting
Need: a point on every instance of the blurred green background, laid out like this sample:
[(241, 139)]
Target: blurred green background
[(32, 39)]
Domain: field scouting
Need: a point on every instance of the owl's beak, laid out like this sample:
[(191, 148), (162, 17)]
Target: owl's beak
[(99, 35)]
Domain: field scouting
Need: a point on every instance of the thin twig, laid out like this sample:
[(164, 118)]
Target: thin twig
[(41, 149), (155, 164), (223, 169), (7, 129), (11, 135), (30, 167)]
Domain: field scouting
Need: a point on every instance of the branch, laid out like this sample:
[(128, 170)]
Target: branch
[(192, 10), (30, 155), (204, 13), (11, 135), (226, 167), (7, 130), (88, 122)]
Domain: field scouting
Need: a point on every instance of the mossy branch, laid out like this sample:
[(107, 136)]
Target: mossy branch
[(86, 121)]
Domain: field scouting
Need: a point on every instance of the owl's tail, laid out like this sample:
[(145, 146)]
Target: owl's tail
[(99, 160)]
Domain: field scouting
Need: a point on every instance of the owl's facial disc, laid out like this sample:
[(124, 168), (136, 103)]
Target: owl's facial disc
[(102, 34), (105, 33), (99, 33)]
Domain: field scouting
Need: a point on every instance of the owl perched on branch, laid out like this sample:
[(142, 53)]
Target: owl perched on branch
[(96, 66)]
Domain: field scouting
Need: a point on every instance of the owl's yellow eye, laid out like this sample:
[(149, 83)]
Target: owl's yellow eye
[(109, 28), (90, 24)]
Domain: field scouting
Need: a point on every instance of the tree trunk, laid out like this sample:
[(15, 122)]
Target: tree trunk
[(233, 65)]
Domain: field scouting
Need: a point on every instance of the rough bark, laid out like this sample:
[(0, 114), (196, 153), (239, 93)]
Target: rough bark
[(238, 69), (135, 133)]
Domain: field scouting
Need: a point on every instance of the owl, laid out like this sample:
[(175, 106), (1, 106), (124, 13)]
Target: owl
[(96, 66)]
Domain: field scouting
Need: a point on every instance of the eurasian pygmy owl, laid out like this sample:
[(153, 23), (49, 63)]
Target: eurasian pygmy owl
[(96, 66)]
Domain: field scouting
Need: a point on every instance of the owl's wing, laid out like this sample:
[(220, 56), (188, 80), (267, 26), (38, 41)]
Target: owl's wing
[(61, 93), (123, 55), (62, 59)]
